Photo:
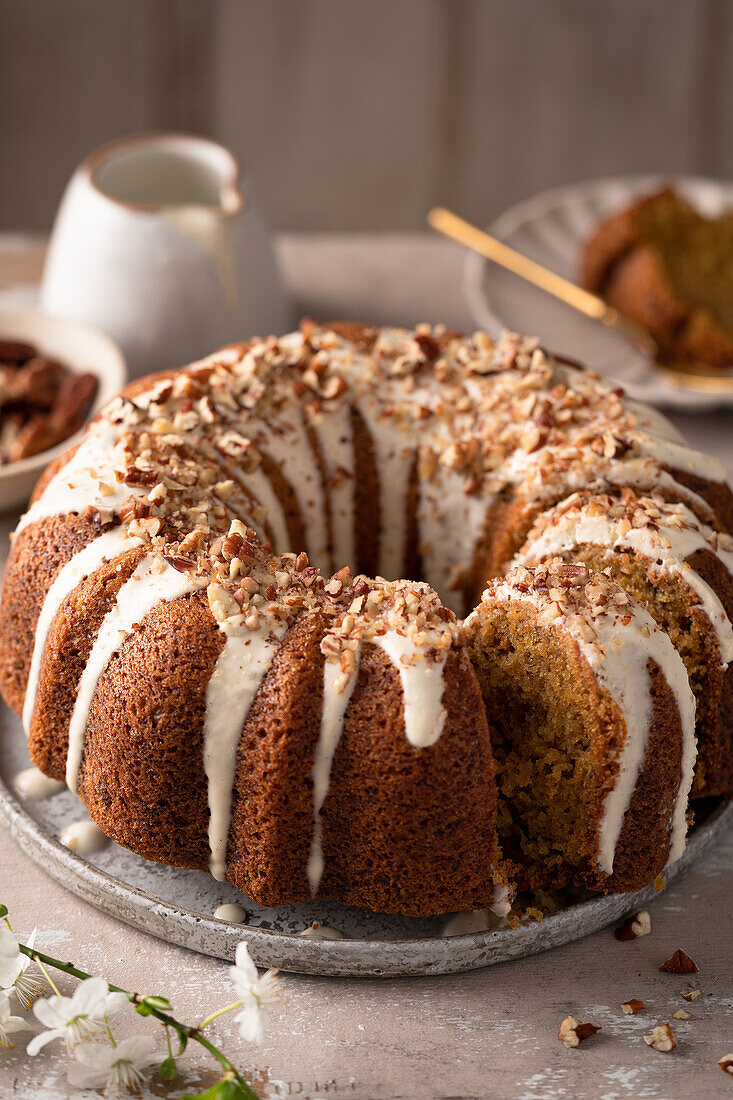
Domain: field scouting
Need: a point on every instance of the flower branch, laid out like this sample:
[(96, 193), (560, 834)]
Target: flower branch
[(85, 1016)]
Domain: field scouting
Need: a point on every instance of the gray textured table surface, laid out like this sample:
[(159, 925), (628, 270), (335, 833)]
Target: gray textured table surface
[(487, 1034)]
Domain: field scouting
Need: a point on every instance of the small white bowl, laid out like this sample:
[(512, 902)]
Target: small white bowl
[(82, 350)]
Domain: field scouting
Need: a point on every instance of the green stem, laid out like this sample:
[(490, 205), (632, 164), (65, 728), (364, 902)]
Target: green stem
[(219, 1012), (108, 1029), (185, 1031), (46, 974)]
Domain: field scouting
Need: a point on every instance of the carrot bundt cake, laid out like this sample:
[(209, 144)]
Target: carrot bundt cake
[(594, 737), (196, 602), (670, 269)]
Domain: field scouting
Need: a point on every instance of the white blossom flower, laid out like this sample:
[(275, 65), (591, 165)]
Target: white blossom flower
[(78, 1018), (8, 1023), (256, 994), (113, 1068), (13, 966)]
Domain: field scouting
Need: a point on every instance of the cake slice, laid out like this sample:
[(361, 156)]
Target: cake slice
[(670, 269), (680, 570), (593, 725)]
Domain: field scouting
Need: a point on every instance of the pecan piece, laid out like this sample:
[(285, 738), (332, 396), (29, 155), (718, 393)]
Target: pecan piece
[(73, 402), (428, 345), (572, 1033), (139, 477), (35, 436), (640, 924), (630, 1008), (14, 351), (661, 1039), (679, 963), (36, 383), (726, 1063), (134, 508)]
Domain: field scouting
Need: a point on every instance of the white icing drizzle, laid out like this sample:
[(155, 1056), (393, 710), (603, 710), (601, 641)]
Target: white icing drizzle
[(336, 697), (231, 912), (318, 931), (88, 478), (653, 421), (291, 450), (261, 487), (239, 671), (32, 785), (422, 687), (84, 838), (678, 456), (334, 431), (152, 583), (619, 660), (645, 475), (450, 524), (393, 453), (667, 548), (108, 545)]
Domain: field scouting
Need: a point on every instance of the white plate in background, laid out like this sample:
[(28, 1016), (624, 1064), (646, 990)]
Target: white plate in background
[(80, 348), (551, 228)]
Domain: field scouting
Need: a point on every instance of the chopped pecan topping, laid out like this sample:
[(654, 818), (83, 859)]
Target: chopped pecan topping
[(726, 1063), (180, 562), (134, 476), (632, 1007), (428, 345)]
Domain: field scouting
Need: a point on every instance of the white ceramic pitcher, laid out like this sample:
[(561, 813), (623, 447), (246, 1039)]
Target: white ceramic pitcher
[(161, 244)]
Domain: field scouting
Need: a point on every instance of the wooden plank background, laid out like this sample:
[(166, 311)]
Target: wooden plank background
[(359, 114)]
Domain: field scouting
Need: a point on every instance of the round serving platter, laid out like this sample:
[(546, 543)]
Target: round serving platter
[(178, 906)]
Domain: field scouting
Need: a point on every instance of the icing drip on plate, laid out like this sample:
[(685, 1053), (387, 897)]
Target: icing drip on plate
[(84, 838), (32, 785), (318, 931), (231, 912)]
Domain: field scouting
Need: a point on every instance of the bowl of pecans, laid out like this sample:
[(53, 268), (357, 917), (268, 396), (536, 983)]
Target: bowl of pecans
[(54, 375)]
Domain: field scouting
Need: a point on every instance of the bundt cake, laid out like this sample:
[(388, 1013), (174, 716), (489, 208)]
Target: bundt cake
[(189, 627), (594, 737), (670, 269)]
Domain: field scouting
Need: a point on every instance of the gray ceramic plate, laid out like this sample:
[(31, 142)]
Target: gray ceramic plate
[(178, 905)]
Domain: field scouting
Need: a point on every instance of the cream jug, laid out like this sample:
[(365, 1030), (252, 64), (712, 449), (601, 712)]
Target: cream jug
[(160, 243)]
